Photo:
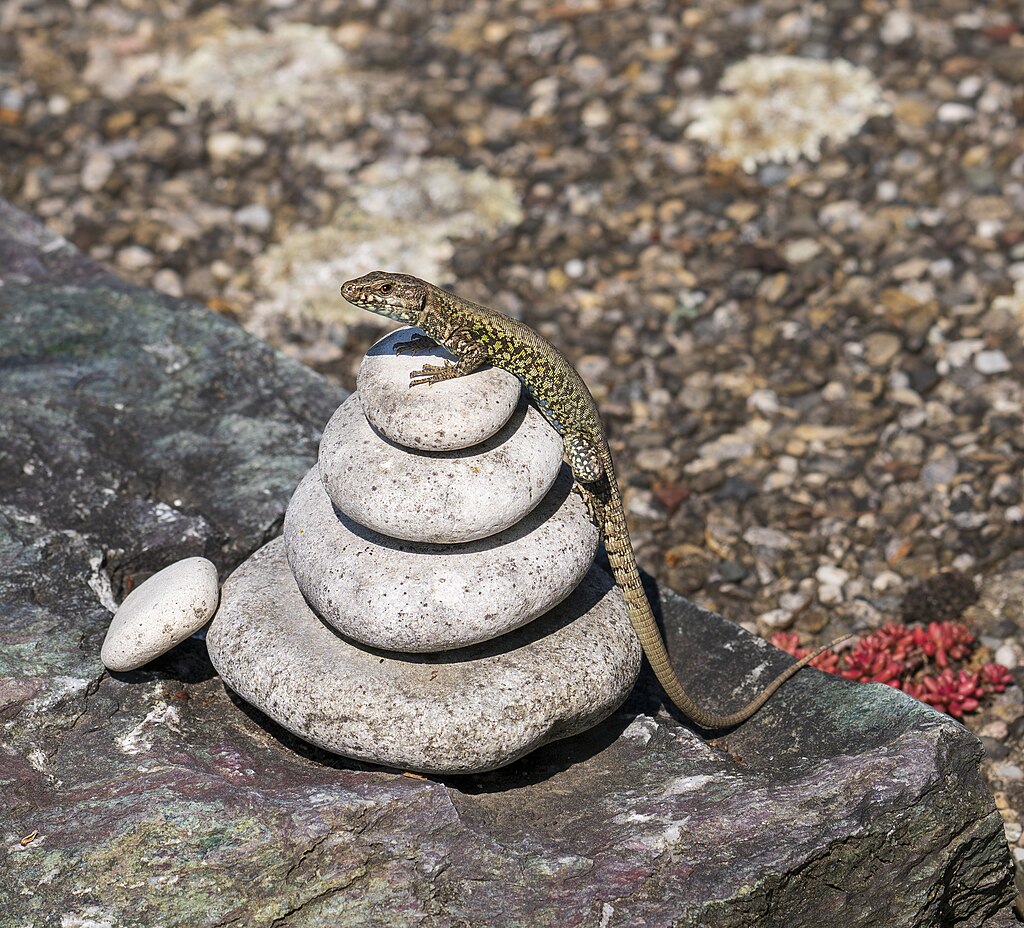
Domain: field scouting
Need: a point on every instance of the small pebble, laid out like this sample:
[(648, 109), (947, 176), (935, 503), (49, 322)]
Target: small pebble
[(829, 594), (802, 250), (955, 112), (897, 27), (886, 580), (828, 574), (991, 362), (161, 613), (1007, 656), (997, 729), (777, 618), (1009, 772), (255, 216)]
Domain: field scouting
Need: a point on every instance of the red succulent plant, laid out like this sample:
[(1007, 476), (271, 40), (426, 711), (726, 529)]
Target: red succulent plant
[(925, 661)]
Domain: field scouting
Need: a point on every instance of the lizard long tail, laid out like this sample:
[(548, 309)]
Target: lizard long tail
[(627, 576)]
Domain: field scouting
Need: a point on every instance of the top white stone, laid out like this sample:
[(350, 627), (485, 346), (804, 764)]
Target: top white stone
[(161, 613), (446, 416)]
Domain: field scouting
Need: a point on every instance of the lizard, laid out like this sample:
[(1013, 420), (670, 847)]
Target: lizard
[(476, 335)]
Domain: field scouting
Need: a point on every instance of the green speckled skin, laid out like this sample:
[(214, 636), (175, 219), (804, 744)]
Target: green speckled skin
[(476, 335)]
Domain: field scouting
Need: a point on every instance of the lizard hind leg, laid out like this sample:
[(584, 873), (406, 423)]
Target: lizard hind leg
[(590, 500)]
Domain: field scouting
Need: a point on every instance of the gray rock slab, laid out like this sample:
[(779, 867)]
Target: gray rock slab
[(440, 498), (446, 416), (462, 711), (156, 799), (161, 613), (406, 596)]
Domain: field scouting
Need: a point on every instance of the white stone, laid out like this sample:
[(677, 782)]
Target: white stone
[(897, 27), (446, 416), (777, 618), (802, 250), (97, 170), (459, 712), (831, 575), (991, 362), (443, 497), (886, 580), (1006, 655), (829, 594), (954, 112), (223, 146), (408, 596), (254, 216), (161, 613), (1009, 772)]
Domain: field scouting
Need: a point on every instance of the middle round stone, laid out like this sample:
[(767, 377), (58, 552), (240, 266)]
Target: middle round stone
[(438, 497), (404, 596)]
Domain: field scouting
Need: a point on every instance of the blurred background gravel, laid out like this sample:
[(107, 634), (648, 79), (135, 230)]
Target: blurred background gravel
[(783, 242)]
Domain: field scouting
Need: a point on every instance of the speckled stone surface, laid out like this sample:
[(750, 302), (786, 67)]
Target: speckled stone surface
[(158, 798), (408, 596), (161, 613), (458, 712), (444, 497), (446, 416)]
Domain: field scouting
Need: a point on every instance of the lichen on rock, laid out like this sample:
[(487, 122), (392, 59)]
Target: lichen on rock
[(401, 213), (781, 107), (273, 80)]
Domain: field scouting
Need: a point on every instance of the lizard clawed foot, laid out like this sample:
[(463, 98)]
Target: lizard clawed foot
[(431, 374), (416, 344), (590, 501)]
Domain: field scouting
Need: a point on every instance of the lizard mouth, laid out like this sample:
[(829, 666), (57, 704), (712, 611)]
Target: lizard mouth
[(351, 292)]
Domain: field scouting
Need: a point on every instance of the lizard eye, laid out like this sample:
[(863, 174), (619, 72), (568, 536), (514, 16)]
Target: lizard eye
[(386, 288)]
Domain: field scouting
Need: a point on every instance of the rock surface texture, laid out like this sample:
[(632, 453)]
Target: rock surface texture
[(135, 430)]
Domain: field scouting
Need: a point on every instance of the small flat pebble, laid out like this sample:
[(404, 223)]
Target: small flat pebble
[(446, 416), (161, 613), (1009, 772), (1007, 656), (443, 497), (954, 112), (834, 576), (407, 596), (991, 362), (458, 712)]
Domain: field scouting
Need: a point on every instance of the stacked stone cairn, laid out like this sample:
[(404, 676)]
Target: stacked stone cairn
[(433, 603)]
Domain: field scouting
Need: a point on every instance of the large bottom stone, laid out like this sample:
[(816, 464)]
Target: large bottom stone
[(457, 712)]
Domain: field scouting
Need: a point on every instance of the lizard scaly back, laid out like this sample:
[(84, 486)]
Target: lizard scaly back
[(476, 335)]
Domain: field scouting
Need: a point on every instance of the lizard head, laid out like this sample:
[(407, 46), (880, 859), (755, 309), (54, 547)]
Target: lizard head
[(397, 296)]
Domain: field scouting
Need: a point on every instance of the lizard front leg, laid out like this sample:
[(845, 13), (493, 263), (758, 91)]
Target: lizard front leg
[(468, 361), (415, 345)]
